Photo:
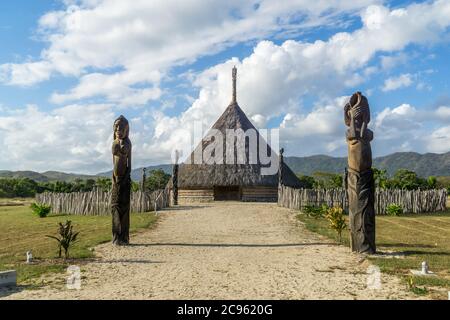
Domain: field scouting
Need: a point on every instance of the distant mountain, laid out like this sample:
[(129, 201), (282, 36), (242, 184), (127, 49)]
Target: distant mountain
[(45, 176), (136, 174), (429, 164), (309, 165)]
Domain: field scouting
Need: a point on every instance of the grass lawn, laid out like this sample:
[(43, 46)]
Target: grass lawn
[(416, 238), (21, 231)]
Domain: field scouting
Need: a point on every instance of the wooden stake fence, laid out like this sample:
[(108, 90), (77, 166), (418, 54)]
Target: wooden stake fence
[(97, 202), (412, 201)]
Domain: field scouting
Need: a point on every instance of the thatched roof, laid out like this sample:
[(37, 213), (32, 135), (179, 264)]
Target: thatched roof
[(192, 175), (198, 176)]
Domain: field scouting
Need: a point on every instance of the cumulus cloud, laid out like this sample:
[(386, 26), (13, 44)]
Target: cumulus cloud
[(274, 78), (152, 36), (407, 128), (25, 74), (72, 138), (394, 83), (121, 53), (321, 130)]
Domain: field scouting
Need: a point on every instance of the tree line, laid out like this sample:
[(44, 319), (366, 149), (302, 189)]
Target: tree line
[(26, 187), (158, 179), (402, 179)]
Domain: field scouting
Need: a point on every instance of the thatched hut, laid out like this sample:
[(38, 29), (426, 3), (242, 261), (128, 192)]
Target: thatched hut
[(202, 182)]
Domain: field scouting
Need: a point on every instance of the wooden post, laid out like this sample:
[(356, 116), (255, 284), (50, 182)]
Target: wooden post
[(175, 179)]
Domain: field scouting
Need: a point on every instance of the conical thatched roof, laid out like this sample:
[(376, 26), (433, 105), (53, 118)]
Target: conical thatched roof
[(200, 175)]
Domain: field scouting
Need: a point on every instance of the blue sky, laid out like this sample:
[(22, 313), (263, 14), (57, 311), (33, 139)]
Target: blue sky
[(69, 68)]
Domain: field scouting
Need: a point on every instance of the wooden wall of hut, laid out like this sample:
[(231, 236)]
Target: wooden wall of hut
[(259, 194), (186, 196)]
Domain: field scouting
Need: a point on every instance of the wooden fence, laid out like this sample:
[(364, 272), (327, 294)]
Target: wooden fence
[(412, 201), (97, 202)]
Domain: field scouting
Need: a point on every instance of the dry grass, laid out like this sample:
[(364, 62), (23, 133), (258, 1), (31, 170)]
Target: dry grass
[(11, 202), (413, 238), (21, 231)]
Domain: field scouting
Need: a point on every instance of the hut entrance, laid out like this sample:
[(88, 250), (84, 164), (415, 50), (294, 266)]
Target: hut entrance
[(227, 193)]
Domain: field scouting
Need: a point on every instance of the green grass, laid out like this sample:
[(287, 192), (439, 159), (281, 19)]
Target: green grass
[(21, 231), (424, 237)]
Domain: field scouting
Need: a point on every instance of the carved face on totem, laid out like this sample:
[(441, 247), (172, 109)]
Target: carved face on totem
[(121, 128), (357, 109)]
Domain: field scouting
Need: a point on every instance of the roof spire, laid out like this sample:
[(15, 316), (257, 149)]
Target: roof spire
[(234, 100)]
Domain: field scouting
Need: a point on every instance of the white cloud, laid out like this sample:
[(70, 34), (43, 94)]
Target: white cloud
[(406, 128), (72, 138), (390, 61), (25, 74), (322, 130), (274, 78), (152, 36), (115, 88), (127, 68), (394, 83), (443, 113), (439, 140)]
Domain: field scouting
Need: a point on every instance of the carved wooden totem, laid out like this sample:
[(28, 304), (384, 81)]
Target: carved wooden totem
[(360, 183), (121, 182)]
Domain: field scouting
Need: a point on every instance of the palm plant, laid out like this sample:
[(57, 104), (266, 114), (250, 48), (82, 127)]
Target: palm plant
[(66, 237), (337, 220)]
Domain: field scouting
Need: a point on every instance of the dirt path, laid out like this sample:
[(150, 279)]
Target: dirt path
[(225, 251)]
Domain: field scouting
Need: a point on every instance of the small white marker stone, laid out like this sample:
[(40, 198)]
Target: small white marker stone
[(29, 257), (424, 270)]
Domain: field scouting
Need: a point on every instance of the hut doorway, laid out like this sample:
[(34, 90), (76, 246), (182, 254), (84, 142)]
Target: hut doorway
[(232, 193)]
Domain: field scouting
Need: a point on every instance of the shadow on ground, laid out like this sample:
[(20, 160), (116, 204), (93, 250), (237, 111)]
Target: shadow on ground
[(221, 245), (180, 208), (405, 245), (128, 261)]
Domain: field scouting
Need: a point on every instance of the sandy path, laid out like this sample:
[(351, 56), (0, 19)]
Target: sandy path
[(225, 251)]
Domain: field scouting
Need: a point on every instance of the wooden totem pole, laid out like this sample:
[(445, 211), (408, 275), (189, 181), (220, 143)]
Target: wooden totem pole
[(175, 179), (360, 183), (121, 182), (280, 168)]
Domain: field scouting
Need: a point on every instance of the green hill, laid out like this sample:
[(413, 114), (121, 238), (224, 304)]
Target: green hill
[(136, 174), (45, 176), (429, 164)]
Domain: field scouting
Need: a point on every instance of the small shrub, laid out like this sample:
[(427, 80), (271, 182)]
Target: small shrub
[(394, 210), (41, 210), (414, 288), (315, 211), (66, 238), (337, 220)]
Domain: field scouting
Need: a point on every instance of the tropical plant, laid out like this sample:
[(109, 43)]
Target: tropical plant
[(156, 180), (432, 182), (315, 211), (414, 288), (66, 238), (336, 218), (306, 182), (394, 209), (327, 180), (41, 210), (104, 184), (380, 177)]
